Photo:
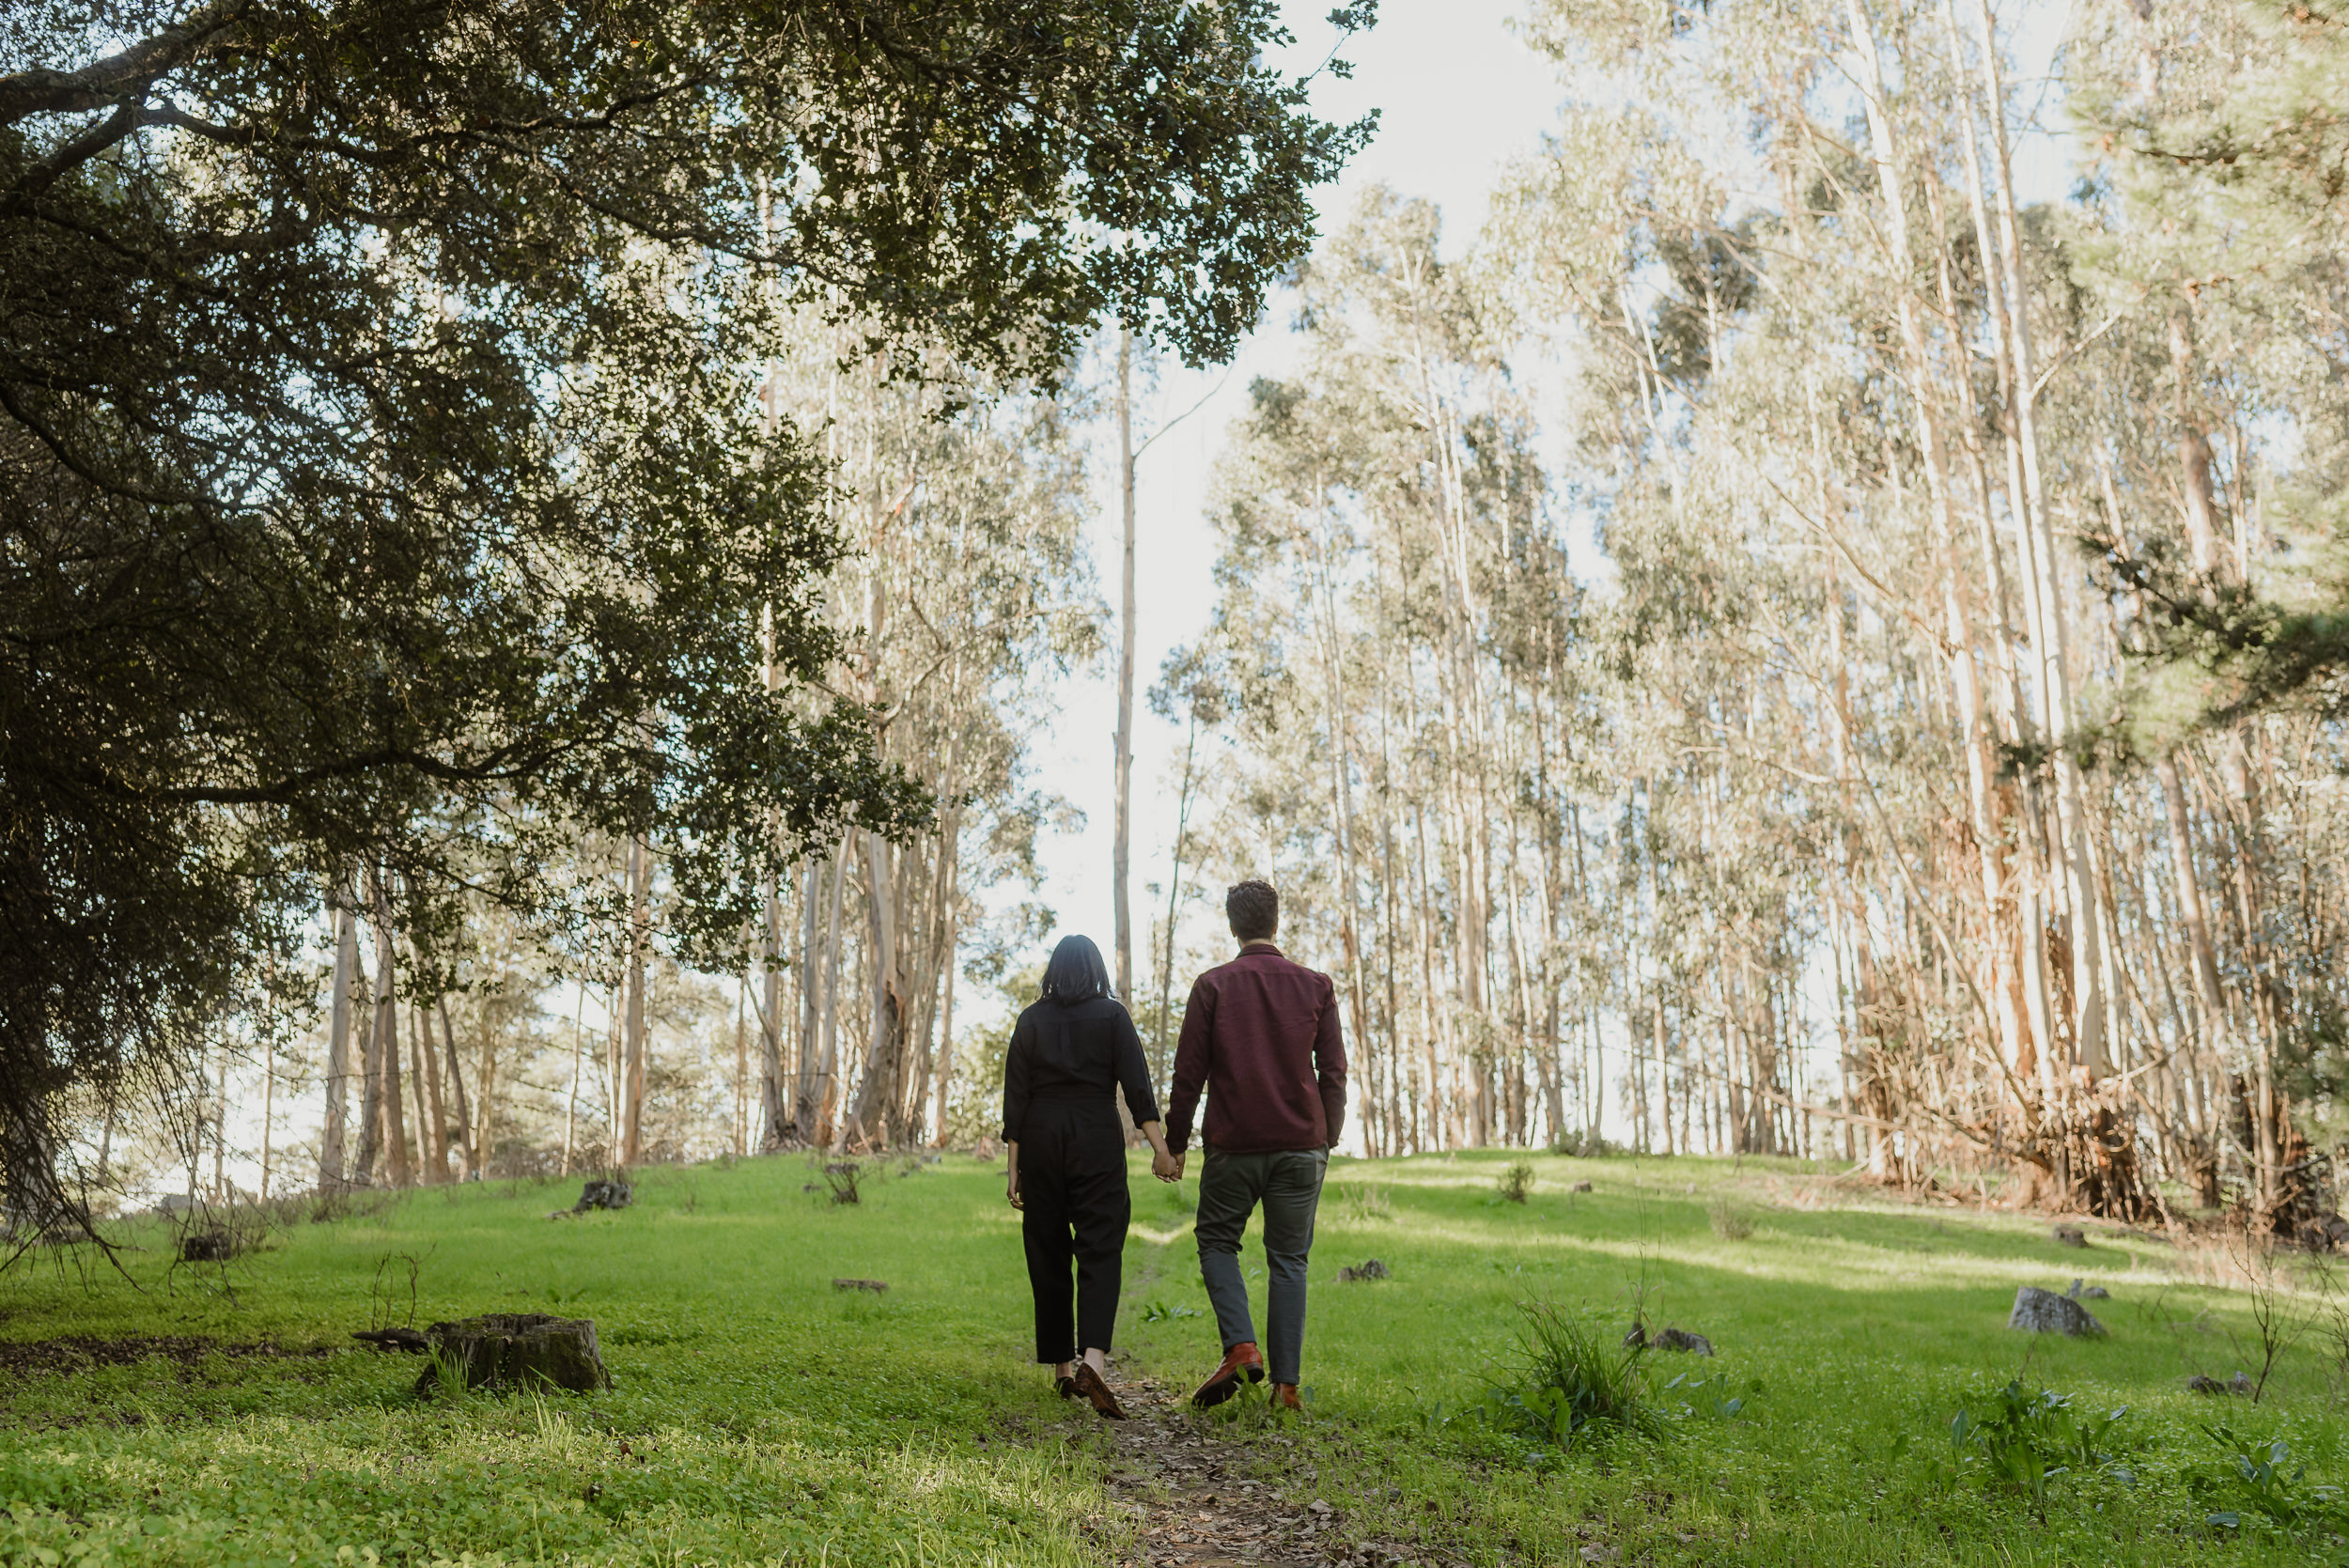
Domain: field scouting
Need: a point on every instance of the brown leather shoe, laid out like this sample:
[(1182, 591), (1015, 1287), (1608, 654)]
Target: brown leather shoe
[(1284, 1398), (1068, 1387), (1097, 1393), (1241, 1361)]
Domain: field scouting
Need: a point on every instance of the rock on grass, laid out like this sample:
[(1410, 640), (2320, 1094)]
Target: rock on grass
[(2043, 1311)]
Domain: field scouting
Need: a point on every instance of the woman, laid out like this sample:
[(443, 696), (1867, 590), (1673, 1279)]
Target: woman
[(1069, 1054)]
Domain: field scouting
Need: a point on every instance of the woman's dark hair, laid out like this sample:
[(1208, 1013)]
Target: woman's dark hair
[(1076, 972)]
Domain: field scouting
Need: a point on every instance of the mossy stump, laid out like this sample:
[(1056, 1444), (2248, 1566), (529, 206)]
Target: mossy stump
[(516, 1350)]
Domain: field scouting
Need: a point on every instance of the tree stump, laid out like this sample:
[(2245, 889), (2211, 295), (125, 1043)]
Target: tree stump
[(517, 1350)]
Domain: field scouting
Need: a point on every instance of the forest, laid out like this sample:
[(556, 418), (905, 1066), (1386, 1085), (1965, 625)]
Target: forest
[(1798, 631), (586, 592)]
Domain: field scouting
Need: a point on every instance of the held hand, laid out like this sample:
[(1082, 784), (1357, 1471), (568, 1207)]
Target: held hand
[(1166, 1167)]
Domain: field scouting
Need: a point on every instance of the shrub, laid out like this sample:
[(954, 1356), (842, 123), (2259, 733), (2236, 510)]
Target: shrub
[(1584, 1145), (2025, 1441), (1572, 1384), (841, 1177), (1732, 1220), (1517, 1182)]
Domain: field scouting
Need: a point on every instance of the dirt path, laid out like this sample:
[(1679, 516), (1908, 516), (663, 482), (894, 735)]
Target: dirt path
[(1234, 1489), (1202, 1500)]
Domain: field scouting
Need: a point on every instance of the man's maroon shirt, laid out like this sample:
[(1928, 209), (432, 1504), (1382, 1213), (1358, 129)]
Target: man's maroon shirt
[(1261, 1035)]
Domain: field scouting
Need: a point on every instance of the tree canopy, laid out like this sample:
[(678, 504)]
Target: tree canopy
[(381, 476)]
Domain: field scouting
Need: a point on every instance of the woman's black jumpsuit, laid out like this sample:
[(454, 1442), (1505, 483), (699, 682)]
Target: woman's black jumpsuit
[(1060, 1079)]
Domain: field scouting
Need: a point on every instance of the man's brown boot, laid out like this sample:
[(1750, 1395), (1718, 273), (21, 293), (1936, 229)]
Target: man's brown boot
[(1284, 1398), (1240, 1361)]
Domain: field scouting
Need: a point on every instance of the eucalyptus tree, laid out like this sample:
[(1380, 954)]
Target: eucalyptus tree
[(967, 594), (1810, 476), (382, 487), (1916, 492), (1389, 590)]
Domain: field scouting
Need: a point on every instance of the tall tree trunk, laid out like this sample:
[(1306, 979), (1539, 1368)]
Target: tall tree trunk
[(579, 1053), (434, 1143), (332, 1170), (1921, 369), (1125, 761), (269, 1109), (639, 937), (884, 1049), (1663, 1066), (2054, 648), (777, 1123), (803, 1123), (220, 1193), (741, 1070), (1173, 894), (2213, 565), (466, 1149), (370, 1086), (819, 1118), (1340, 785), (947, 1032), (397, 1169)]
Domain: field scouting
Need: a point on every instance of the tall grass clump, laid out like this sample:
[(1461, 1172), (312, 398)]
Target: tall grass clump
[(1572, 1383), (1517, 1183), (1732, 1220)]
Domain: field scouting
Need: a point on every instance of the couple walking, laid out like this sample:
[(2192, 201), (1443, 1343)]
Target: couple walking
[(1260, 1036)]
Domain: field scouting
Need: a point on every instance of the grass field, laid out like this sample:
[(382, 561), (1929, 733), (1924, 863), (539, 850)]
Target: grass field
[(760, 1416)]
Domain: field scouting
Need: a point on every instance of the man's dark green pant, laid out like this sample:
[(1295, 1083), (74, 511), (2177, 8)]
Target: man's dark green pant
[(1288, 1184)]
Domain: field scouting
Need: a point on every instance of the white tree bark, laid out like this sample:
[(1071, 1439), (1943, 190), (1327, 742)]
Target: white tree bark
[(1120, 848), (332, 1134), (2054, 649), (639, 935), (386, 1039)]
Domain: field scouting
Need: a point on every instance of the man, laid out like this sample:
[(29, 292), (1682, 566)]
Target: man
[(1261, 1034)]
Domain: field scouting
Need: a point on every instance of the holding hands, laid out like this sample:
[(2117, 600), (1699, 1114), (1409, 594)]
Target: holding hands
[(1164, 1163)]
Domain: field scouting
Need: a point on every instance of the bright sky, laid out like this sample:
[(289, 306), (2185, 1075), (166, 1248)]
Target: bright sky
[(1457, 95)]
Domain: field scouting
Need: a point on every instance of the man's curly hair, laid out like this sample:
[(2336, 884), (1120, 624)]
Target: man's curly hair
[(1254, 910)]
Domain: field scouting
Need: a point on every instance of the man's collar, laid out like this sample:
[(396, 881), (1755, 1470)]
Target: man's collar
[(1247, 948)]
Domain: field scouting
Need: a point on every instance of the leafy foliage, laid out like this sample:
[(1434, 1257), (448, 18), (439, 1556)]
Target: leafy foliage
[(2262, 1482), (2023, 1441), (380, 472), (1517, 1182)]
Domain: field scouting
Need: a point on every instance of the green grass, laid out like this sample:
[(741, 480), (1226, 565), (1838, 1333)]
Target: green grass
[(759, 1416)]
